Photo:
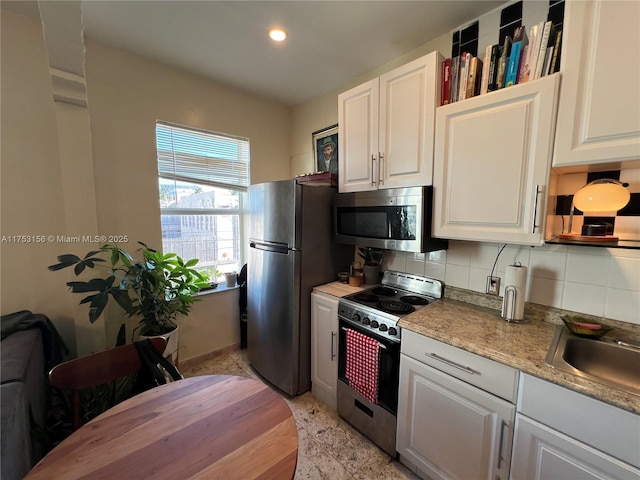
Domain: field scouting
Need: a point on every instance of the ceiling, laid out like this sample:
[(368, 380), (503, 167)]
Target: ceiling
[(329, 42)]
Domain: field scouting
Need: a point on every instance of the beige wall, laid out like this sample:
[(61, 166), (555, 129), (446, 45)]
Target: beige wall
[(127, 94), (105, 181), (31, 194)]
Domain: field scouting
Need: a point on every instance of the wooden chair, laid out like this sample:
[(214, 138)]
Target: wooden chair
[(98, 369)]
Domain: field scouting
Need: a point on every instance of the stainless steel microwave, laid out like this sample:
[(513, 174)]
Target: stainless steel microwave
[(391, 219)]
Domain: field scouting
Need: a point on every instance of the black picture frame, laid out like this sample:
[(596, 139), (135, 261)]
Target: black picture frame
[(325, 142)]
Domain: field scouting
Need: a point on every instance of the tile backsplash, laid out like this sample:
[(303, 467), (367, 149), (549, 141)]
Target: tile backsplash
[(597, 281)]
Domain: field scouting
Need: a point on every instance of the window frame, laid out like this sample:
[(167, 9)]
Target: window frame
[(180, 178)]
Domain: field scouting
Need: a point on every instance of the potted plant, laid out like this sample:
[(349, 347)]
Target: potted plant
[(212, 273), (156, 287)]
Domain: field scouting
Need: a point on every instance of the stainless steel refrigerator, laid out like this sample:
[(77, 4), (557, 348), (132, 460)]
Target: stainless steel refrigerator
[(291, 250)]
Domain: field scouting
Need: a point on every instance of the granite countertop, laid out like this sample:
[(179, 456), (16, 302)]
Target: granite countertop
[(481, 330)]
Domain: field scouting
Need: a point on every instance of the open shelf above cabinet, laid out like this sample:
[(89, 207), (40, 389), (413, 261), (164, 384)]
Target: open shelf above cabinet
[(631, 244)]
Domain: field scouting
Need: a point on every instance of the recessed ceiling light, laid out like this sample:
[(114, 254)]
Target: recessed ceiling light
[(277, 34)]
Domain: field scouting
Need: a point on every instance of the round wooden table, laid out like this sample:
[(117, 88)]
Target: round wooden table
[(208, 427)]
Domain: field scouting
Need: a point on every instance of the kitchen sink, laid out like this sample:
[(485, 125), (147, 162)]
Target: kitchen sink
[(606, 361)]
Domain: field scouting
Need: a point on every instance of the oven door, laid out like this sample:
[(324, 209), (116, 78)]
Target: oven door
[(388, 367)]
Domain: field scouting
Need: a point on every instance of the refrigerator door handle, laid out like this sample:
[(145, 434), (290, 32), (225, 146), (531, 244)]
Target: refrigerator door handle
[(270, 247)]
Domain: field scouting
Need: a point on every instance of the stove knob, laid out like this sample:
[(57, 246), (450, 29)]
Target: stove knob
[(374, 324), (383, 328), (366, 321), (393, 331), (356, 317)]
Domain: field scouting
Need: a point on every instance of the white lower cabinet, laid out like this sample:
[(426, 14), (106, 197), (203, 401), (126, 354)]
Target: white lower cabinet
[(457, 420), (541, 452), (324, 348), (562, 435), (448, 428)]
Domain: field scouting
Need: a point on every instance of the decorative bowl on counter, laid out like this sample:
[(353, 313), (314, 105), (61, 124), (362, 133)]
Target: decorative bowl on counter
[(584, 327), (343, 277)]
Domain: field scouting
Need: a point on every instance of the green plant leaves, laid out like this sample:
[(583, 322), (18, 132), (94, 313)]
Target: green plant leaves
[(65, 261), (122, 298), (191, 263), (98, 303), (158, 287)]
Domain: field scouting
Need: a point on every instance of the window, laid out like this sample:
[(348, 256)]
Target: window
[(202, 179)]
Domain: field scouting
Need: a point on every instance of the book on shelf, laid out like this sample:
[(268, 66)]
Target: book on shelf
[(484, 81), (515, 59), (445, 82), (529, 61), (493, 68), (544, 44), (549, 53), (523, 59), (473, 80), (455, 72), (519, 34), (511, 76), (502, 62), (547, 62), (555, 59), (463, 75)]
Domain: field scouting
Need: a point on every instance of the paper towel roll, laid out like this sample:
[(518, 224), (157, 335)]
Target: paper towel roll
[(515, 286)]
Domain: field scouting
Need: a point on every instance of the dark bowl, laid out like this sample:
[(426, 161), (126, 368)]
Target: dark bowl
[(584, 327)]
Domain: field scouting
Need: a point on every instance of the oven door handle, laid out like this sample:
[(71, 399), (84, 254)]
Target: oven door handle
[(379, 344)]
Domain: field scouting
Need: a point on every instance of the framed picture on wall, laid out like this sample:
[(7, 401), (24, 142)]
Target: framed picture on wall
[(325, 150)]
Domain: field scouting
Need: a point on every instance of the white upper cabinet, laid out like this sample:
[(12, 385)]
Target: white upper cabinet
[(492, 163), (599, 109), (386, 128), (358, 138)]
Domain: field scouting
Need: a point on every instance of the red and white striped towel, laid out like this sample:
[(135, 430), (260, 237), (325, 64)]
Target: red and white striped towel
[(362, 364)]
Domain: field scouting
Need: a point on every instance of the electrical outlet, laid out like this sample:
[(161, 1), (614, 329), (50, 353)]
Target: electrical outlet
[(493, 285)]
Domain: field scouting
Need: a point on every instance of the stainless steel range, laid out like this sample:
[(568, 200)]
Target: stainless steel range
[(375, 313)]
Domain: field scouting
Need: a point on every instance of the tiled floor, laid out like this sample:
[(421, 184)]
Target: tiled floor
[(328, 447)]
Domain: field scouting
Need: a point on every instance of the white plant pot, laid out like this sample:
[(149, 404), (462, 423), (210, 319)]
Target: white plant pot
[(231, 279), (171, 350)]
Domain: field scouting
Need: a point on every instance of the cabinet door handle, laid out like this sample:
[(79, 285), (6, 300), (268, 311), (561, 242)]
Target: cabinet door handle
[(380, 179), (465, 369), (373, 167), (535, 209), (333, 350), (501, 446)]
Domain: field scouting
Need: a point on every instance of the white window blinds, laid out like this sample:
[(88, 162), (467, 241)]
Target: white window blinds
[(205, 158)]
